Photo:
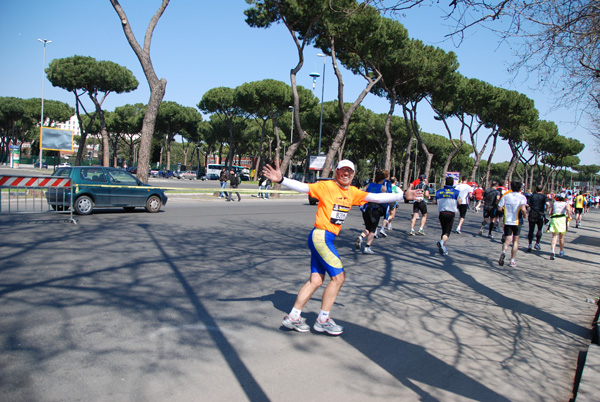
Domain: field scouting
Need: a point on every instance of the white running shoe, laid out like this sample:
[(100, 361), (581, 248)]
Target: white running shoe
[(328, 326), (358, 242), (298, 325)]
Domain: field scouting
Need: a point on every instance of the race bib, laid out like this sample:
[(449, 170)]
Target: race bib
[(338, 214)]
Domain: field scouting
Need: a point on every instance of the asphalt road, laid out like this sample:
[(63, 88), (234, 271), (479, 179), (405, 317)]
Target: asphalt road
[(186, 305)]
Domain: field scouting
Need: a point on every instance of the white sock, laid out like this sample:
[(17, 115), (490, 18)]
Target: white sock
[(323, 316), (295, 314)]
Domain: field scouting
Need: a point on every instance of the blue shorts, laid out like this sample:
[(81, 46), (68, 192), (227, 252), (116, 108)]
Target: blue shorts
[(323, 255)]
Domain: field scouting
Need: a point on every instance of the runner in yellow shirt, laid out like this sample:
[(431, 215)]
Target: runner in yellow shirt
[(579, 202)]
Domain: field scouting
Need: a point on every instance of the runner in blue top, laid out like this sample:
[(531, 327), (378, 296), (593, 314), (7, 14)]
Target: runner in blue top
[(448, 201), (372, 213)]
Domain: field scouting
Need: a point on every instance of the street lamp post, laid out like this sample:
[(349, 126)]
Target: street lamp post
[(45, 42), (291, 141), (314, 76), (324, 56)]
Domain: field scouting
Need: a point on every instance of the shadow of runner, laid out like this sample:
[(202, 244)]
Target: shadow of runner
[(280, 299), (515, 305), (406, 362), (246, 380)]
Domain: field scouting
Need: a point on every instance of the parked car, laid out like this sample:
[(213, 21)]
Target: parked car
[(312, 200), (44, 165), (102, 187), (65, 164), (190, 175), (167, 174), (210, 176)]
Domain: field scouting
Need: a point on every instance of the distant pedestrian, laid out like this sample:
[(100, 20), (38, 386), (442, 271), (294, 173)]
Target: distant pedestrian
[(223, 179), (393, 206), (579, 201), (538, 203), (448, 200), (465, 193), (560, 215), (388, 187), (419, 205), (491, 197), (513, 205), (478, 195), (372, 213), (502, 189), (264, 184), (234, 182)]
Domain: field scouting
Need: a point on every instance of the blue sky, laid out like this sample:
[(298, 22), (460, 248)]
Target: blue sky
[(199, 45)]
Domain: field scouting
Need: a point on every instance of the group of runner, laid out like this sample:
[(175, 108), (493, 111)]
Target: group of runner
[(336, 197), (512, 208)]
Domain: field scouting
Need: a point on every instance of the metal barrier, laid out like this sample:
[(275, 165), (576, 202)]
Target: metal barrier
[(36, 194)]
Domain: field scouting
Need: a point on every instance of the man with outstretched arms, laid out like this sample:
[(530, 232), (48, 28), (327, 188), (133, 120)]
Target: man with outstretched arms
[(336, 198)]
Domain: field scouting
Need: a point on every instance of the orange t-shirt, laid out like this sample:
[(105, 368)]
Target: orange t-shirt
[(334, 203)]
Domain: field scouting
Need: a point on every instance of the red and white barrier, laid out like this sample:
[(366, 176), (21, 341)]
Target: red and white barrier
[(44, 181)]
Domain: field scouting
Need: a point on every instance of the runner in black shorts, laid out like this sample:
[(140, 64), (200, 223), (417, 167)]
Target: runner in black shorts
[(447, 201), (462, 210), (420, 205), (491, 196)]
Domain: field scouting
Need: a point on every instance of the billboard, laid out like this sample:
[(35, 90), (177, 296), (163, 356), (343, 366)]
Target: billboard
[(55, 139), (455, 175), (317, 162)]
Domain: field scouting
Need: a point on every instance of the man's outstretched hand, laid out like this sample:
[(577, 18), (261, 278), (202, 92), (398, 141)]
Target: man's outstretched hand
[(273, 173), (410, 195)]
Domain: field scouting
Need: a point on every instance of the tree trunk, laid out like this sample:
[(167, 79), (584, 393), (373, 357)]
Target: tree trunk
[(408, 159), (479, 155), (489, 165), (388, 135), (513, 162), (345, 120), (84, 131), (157, 86)]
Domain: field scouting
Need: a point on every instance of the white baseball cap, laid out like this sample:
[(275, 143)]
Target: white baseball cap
[(345, 163)]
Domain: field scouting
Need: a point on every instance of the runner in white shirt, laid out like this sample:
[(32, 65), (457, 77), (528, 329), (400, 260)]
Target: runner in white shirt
[(465, 191), (514, 206)]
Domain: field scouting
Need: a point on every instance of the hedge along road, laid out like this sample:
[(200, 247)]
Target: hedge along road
[(187, 305)]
